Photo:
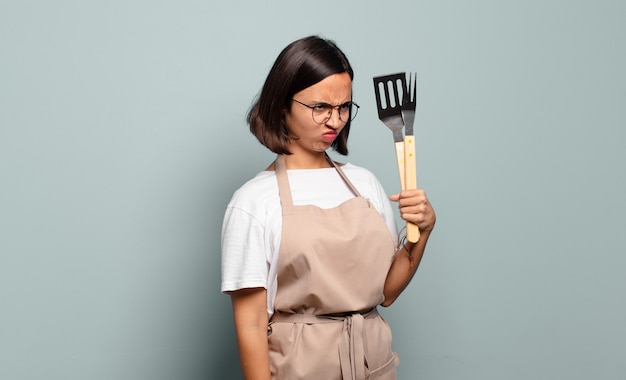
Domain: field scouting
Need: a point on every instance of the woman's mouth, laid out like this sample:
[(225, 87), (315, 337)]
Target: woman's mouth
[(329, 136)]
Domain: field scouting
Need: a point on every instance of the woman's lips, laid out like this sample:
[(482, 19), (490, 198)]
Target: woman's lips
[(329, 136)]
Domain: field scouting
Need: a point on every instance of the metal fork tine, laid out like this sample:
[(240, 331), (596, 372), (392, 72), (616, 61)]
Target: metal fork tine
[(408, 114), (409, 103)]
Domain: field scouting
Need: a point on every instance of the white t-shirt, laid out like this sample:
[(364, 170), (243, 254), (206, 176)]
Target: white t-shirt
[(252, 227)]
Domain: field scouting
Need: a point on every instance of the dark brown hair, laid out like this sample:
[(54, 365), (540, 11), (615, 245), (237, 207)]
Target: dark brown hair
[(300, 65)]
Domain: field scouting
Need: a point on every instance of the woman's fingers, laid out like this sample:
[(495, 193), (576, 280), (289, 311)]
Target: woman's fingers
[(415, 207)]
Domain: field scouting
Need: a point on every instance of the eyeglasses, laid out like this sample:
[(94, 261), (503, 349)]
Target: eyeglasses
[(322, 112)]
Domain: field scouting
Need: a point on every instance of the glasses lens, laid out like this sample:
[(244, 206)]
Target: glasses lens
[(347, 111), (321, 113), (344, 111), (354, 109)]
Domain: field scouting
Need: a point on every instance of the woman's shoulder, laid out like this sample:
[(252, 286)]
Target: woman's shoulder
[(260, 189), (348, 166), (364, 180), (359, 173)]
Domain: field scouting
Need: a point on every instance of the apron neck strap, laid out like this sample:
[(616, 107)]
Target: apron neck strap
[(283, 182), (343, 176)]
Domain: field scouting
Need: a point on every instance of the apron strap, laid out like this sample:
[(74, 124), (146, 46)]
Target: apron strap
[(283, 182), (343, 176), (352, 355)]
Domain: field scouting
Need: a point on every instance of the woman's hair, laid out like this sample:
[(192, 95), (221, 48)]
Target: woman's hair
[(300, 65)]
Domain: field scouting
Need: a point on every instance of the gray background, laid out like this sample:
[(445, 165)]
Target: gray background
[(123, 136)]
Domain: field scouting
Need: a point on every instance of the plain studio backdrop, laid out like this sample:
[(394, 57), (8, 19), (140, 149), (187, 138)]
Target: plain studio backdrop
[(123, 136)]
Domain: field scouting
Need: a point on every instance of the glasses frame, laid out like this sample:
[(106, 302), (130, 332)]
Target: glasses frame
[(333, 107)]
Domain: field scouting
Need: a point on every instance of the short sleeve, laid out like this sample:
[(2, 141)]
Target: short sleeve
[(244, 263)]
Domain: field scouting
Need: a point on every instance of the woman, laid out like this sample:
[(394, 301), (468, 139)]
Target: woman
[(309, 246)]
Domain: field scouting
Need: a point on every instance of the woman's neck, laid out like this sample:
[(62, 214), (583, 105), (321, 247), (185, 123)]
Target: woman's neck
[(299, 161)]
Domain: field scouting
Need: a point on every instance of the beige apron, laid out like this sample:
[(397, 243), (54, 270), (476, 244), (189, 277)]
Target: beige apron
[(332, 268)]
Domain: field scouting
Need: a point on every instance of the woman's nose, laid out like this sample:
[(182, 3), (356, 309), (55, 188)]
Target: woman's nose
[(334, 121)]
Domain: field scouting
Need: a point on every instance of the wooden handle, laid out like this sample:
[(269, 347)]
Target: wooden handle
[(400, 160), (410, 180)]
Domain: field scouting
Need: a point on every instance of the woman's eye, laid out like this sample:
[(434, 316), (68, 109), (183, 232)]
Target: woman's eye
[(345, 107), (321, 107)]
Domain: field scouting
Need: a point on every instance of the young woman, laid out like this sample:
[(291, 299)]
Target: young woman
[(309, 246)]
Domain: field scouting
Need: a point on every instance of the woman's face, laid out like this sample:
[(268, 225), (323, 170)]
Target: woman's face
[(306, 135)]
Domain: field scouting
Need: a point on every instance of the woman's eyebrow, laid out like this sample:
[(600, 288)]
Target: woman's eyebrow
[(326, 103)]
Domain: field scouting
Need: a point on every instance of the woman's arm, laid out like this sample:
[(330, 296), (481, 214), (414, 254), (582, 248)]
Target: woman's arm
[(414, 207), (250, 314)]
